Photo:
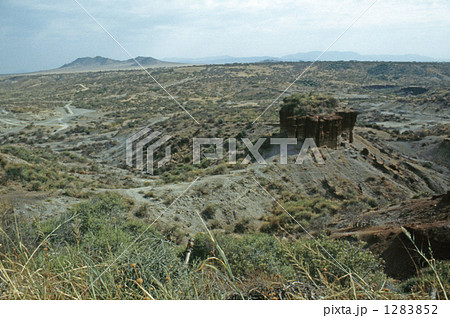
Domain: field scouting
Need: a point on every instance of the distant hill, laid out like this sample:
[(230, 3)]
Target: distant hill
[(308, 56), (224, 59), (86, 62), (353, 56), (99, 63)]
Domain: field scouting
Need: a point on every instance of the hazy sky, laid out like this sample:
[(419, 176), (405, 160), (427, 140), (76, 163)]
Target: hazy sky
[(44, 34)]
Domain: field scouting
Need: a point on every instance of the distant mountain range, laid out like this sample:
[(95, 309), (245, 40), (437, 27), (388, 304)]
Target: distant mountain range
[(100, 63), (309, 56)]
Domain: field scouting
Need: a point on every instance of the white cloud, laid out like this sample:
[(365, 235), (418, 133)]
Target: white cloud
[(218, 27)]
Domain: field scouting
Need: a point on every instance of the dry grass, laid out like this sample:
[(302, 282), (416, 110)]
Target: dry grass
[(248, 266)]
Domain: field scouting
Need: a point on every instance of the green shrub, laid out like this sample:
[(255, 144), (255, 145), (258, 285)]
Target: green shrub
[(260, 254), (246, 254), (209, 212), (302, 104), (99, 225), (309, 212), (373, 203), (101, 209), (336, 259), (150, 194)]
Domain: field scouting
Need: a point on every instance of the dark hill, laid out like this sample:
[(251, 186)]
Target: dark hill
[(99, 63), (90, 62)]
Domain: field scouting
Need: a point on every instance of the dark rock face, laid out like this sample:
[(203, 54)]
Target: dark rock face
[(426, 219), (326, 130)]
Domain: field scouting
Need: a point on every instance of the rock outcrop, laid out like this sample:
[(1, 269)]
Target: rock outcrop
[(426, 219), (326, 130)]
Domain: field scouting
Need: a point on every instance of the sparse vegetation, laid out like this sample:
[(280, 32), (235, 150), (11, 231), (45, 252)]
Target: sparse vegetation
[(70, 206), (62, 259), (301, 104)]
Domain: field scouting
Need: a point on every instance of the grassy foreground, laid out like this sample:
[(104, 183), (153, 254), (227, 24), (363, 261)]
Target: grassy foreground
[(96, 251)]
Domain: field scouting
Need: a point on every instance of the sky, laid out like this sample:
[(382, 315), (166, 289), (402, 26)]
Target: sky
[(45, 34)]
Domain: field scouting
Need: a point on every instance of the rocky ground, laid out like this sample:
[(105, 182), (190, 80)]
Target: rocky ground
[(398, 161)]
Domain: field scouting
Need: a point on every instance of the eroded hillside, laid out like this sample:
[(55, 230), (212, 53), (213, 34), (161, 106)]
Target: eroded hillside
[(63, 141)]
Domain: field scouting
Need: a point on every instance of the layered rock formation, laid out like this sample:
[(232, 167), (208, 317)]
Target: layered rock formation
[(326, 130)]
